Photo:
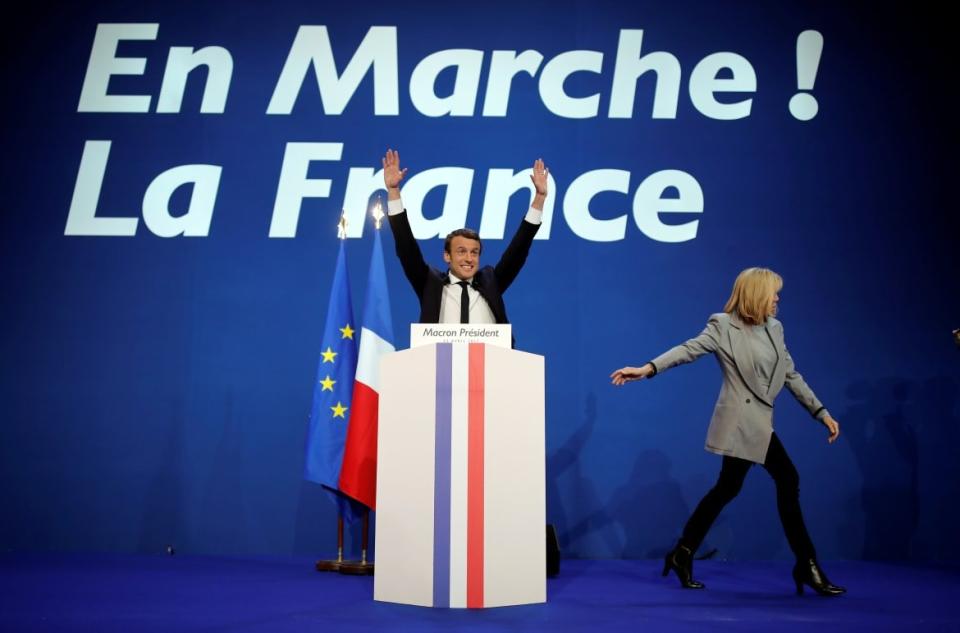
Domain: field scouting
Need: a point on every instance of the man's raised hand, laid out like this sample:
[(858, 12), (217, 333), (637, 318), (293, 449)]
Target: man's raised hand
[(539, 177), (392, 174)]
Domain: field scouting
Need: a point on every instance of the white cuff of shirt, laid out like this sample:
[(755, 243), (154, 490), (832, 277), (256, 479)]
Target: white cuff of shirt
[(534, 216), (394, 207)]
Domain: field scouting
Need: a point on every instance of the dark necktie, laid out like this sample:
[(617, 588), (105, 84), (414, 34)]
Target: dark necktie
[(464, 302)]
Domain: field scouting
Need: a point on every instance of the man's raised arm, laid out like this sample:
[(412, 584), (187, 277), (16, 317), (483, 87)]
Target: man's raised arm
[(408, 251)]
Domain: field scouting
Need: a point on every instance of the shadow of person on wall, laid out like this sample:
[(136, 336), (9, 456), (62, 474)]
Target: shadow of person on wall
[(566, 481), (644, 516), (649, 509), (884, 441), (937, 420)]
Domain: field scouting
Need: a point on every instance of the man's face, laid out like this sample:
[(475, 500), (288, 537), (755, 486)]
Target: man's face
[(464, 257)]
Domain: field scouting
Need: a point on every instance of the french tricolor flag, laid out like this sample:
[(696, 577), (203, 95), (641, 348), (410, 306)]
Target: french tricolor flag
[(358, 475)]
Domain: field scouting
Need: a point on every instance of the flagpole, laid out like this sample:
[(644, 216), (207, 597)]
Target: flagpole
[(364, 568), (334, 565)]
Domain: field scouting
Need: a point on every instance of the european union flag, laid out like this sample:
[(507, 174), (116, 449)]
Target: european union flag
[(333, 389)]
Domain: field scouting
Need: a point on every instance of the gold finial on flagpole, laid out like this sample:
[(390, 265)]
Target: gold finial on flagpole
[(342, 225), (378, 214)]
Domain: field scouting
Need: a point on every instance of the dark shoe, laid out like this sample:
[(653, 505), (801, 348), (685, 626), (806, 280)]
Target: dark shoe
[(680, 560), (808, 572)]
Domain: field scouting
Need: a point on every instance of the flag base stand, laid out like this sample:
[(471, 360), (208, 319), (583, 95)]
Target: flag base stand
[(335, 565), (329, 565), (354, 568)]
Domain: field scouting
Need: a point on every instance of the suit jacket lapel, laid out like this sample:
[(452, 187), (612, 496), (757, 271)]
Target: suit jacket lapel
[(743, 357), (483, 283), (430, 301), (776, 337)]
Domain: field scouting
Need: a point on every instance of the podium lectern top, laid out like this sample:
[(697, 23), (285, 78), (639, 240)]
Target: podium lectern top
[(498, 334)]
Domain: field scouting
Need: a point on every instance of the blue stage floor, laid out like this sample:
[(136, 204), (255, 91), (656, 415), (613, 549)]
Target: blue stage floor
[(108, 593)]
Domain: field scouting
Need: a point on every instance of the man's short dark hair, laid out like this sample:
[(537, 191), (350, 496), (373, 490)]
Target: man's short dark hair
[(470, 234)]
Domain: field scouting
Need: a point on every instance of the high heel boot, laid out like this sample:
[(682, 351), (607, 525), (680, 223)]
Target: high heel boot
[(680, 560), (808, 572)]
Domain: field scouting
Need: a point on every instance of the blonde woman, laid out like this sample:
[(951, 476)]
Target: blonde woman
[(748, 343)]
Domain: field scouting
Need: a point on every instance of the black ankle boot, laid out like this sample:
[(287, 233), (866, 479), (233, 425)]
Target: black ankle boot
[(808, 572), (680, 560)]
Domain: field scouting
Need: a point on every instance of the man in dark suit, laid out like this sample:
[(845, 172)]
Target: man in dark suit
[(465, 293)]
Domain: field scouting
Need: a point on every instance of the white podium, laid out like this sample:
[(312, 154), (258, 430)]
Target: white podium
[(461, 477)]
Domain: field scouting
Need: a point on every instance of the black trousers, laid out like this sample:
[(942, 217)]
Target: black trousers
[(732, 473)]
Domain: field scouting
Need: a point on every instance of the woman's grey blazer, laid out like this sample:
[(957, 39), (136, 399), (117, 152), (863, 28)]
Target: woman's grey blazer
[(742, 421)]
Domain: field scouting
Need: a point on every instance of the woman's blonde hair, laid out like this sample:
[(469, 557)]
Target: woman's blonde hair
[(751, 294)]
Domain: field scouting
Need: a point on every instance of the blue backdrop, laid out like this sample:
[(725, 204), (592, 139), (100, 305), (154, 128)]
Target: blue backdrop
[(156, 385)]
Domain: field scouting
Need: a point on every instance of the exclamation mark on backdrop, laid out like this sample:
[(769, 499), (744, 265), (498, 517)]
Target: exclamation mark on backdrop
[(803, 105)]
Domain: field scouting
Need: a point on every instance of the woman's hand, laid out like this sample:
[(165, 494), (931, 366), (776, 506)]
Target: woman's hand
[(629, 374), (833, 426)]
